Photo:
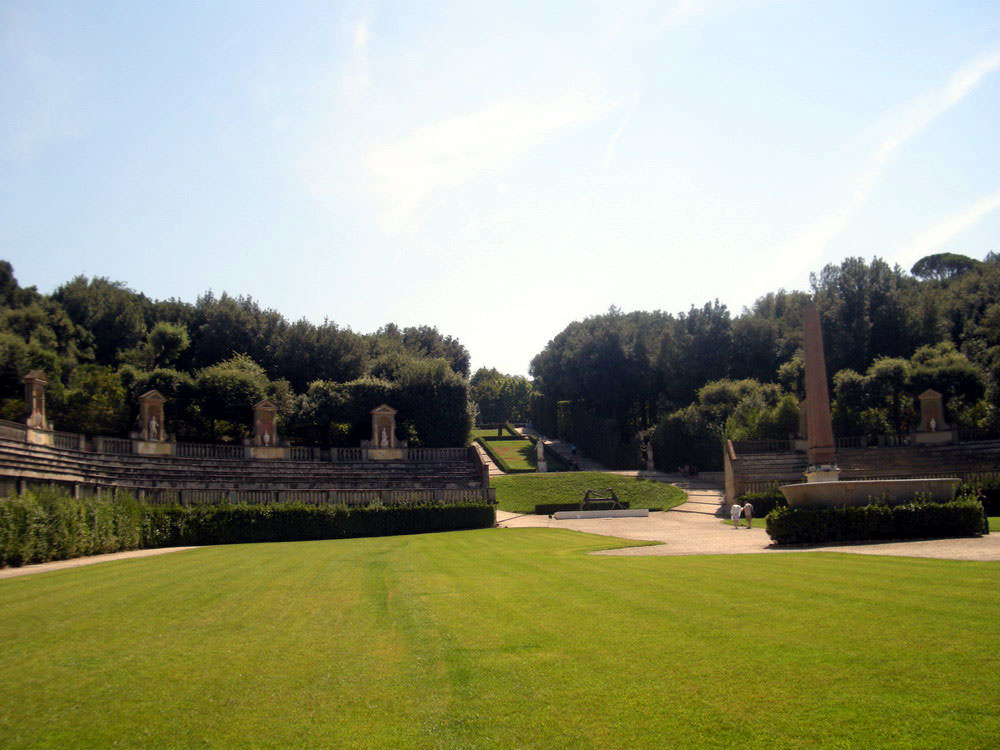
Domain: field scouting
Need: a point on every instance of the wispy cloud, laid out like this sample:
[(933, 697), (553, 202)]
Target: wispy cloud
[(904, 125), (937, 238), (610, 151), (357, 77), (446, 155)]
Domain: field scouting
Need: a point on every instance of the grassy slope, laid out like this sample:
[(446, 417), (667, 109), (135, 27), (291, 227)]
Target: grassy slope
[(496, 639), (520, 494), (519, 455)]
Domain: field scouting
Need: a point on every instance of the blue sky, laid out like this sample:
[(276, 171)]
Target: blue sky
[(494, 169)]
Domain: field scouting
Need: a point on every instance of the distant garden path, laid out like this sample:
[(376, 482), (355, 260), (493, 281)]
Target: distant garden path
[(696, 528)]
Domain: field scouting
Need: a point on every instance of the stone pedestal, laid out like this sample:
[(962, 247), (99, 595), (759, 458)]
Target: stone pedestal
[(153, 447), (941, 437), (269, 451), (822, 474), (541, 466), (387, 454)]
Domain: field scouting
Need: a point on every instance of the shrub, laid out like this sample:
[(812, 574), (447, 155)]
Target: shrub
[(48, 525), (918, 520), (763, 502)]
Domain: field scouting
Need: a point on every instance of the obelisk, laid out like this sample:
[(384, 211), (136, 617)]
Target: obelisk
[(819, 426)]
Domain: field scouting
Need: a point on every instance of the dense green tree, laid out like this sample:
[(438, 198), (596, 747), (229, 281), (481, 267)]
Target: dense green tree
[(500, 397), (942, 266), (113, 314), (94, 402)]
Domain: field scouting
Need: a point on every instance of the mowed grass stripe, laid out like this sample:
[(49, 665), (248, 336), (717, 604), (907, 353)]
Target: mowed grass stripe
[(500, 638)]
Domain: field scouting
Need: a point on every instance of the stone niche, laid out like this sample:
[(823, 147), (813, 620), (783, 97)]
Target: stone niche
[(265, 442), (933, 429), (383, 445), (152, 436), (35, 420)]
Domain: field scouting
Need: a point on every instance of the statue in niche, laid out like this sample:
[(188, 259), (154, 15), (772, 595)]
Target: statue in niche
[(933, 424), (267, 439), (154, 428), (383, 439)]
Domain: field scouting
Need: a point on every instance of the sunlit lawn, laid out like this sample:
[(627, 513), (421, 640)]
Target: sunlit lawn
[(500, 639), (519, 455), (521, 493)]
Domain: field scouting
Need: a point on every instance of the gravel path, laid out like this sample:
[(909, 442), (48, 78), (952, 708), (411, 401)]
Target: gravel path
[(696, 528), (77, 562)]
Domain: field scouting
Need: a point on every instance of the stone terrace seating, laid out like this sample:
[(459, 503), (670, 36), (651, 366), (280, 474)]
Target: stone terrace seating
[(35, 462)]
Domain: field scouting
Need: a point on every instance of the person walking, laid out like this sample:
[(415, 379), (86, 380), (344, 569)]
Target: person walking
[(748, 514), (735, 512)]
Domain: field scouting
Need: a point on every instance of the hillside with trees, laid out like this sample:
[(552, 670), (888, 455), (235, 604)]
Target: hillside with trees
[(688, 381), (102, 344), (685, 381)]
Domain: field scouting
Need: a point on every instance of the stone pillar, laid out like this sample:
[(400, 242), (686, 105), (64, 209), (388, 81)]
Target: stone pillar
[(822, 449), (933, 430), (383, 427), (151, 419), (383, 445), (265, 433), (34, 400), (931, 411), (152, 426)]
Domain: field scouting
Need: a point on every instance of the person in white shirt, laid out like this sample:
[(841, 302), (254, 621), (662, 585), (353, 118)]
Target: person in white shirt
[(735, 511)]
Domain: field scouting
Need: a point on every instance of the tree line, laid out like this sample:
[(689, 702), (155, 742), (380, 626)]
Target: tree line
[(689, 380), (610, 382), (102, 344)]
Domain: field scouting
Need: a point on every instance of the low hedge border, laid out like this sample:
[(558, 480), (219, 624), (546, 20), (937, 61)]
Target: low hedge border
[(864, 523), (504, 466), (46, 525)]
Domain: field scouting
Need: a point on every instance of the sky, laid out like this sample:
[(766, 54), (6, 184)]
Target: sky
[(494, 169)]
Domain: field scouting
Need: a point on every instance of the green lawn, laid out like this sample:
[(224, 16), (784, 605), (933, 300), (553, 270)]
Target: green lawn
[(500, 638), (994, 523), (521, 493), (518, 455)]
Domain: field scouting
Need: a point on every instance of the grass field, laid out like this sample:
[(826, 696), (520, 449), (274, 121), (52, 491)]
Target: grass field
[(500, 638), (518, 455), (521, 493)]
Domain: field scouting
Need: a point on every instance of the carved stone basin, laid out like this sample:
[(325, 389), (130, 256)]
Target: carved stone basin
[(865, 491)]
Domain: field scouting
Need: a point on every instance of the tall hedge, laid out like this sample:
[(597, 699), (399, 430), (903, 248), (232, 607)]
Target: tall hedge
[(923, 520), (48, 525)]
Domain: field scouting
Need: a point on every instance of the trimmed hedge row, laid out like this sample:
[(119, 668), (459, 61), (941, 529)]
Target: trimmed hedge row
[(47, 525), (860, 523)]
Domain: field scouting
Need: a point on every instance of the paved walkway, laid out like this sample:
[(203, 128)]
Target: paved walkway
[(495, 471), (696, 528), (77, 562), (565, 451)]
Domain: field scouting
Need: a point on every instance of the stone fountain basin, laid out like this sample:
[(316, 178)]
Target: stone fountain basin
[(866, 491)]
